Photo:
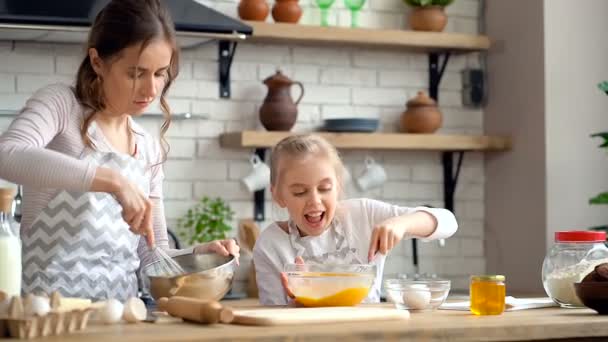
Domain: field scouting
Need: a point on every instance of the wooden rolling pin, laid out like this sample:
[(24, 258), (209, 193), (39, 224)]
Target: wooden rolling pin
[(196, 310)]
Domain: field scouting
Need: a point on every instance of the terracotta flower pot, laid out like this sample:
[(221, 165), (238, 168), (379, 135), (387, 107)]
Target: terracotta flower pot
[(256, 10), (421, 116), (428, 18), (286, 11)]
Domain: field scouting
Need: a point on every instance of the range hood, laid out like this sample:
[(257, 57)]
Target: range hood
[(68, 21)]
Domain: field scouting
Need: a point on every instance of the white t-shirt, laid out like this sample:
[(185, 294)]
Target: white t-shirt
[(345, 241)]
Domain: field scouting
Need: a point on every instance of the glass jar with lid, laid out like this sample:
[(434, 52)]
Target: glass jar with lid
[(573, 255), (487, 293)]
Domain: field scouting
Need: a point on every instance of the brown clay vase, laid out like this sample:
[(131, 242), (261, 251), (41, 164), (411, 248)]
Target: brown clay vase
[(421, 116), (279, 112), (286, 11), (256, 10), (428, 18)]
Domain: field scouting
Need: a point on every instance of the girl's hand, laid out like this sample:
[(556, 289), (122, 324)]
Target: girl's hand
[(285, 282), (386, 235), (136, 209), (221, 247)]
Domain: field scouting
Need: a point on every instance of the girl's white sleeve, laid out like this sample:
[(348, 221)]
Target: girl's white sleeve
[(268, 277), (446, 221)]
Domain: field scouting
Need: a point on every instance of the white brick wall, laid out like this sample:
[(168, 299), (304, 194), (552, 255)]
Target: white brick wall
[(339, 81)]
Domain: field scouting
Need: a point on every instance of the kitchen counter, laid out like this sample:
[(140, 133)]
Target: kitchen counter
[(440, 325)]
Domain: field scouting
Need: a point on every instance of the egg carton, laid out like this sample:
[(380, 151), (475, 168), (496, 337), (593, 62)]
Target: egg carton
[(56, 322)]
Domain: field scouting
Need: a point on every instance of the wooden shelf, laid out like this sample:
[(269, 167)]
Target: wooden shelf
[(375, 141), (401, 39)]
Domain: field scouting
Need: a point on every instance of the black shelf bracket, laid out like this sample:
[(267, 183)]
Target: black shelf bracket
[(258, 196), (226, 50), (450, 176), (436, 69)]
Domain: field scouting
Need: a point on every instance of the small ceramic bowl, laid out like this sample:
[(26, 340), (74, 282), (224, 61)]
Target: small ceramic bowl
[(316, 285), (417, 294), (594, 294)]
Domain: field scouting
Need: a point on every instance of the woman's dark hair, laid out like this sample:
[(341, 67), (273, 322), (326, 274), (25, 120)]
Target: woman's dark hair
[(119, 25)]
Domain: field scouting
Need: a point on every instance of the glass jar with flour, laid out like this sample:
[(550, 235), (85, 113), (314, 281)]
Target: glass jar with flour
[(572, 257)]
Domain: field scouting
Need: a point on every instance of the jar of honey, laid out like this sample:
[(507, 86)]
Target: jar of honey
[(487, 294)]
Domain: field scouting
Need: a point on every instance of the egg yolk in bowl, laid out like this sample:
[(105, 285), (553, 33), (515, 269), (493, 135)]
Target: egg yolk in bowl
[(318, 289)]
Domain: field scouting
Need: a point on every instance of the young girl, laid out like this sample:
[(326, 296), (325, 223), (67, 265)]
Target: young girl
[(306, 179), (90, 173)]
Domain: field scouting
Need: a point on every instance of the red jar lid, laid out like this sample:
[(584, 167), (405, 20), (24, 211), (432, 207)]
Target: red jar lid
[(580, 236)]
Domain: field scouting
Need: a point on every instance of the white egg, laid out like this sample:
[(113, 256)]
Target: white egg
[(111, 311), (37, 305), (416, 299), (135, 310)]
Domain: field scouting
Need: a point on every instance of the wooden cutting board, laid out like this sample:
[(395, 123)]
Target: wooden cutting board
[(289, 316)]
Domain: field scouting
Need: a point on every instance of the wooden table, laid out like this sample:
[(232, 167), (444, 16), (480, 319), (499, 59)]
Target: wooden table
[(440, 325)]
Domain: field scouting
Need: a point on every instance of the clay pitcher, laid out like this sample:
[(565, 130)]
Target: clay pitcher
[(421, 116), (286, 11), (256, 10), (279, 112)]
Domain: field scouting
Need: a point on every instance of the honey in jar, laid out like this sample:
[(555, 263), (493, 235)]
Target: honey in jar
[(487, 294)]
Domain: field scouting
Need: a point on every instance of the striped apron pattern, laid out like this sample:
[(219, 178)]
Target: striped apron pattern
[(79, 244)]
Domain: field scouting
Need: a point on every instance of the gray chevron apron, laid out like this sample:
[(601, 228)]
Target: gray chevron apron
[(79, 245)]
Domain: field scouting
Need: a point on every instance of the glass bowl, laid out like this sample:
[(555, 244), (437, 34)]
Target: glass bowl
[(316, 285), (409, 294)]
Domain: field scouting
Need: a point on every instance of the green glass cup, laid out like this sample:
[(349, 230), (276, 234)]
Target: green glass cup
[(354, 6), (324, 5)]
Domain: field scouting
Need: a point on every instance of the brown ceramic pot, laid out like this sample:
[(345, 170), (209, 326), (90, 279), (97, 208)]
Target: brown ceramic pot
[(428, 18), (256, 10), (286, 11), (421, 116), (279, 112)]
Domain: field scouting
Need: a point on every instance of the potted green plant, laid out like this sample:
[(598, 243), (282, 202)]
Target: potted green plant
[(601, 198), (428, 15), (208, 220)]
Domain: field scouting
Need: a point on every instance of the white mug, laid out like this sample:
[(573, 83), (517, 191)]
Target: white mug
[(259, 177), (373, 175)]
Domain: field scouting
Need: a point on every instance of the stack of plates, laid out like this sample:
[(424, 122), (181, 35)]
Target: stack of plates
[(351, 125)]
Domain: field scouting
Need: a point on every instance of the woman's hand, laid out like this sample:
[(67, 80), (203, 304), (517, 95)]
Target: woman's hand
[(285, 282), (136, 207), (221, 247)]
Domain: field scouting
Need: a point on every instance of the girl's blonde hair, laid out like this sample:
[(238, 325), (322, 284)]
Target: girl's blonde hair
[(300, 146)]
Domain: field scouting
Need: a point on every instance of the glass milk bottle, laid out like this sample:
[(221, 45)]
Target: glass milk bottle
[(10, 251)]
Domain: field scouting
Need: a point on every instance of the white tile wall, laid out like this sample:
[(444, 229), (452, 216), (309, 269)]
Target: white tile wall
[(339, 82)]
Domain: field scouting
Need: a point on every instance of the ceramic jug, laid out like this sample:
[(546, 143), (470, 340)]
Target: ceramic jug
[(279, 112), (256, 10), (286, 11), (421, 116)]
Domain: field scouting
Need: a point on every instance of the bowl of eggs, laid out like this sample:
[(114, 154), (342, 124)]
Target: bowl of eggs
[(319, 285), (419, 294)]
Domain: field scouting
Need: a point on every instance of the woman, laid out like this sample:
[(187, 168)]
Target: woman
[(90, 173)]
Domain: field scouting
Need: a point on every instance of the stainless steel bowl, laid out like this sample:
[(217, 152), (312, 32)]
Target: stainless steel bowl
[(208, 277)]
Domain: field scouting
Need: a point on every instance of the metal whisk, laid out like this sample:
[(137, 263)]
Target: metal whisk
[(165, 266)]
